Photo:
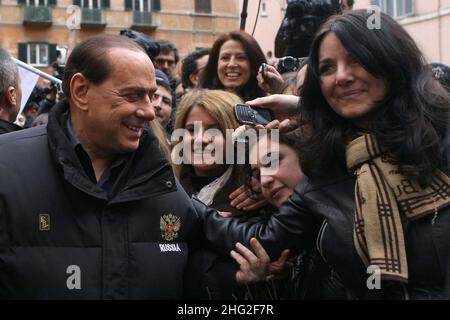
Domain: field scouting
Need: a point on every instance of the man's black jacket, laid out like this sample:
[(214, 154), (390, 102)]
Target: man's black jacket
[(62, 238), (7, 127)]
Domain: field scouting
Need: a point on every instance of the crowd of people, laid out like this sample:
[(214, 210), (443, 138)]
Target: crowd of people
[(108, 194)]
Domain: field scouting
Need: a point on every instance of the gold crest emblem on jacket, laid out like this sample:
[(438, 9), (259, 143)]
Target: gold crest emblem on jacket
[(169, 224)]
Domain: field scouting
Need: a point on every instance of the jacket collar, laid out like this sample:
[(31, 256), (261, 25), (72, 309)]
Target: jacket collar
[(147, 173), (6, 127)]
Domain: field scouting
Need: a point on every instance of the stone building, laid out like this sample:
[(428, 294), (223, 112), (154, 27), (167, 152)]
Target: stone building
[(40, 31)]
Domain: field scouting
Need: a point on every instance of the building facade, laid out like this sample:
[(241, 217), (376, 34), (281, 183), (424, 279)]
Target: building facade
[(427, 21), (40, 31), (268, 20)]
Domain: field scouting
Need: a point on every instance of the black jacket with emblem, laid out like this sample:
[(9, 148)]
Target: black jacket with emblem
[(62, 237)]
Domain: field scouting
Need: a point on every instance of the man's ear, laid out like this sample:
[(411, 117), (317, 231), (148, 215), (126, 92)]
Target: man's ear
[(11, 97), (194, 78), (79, 87)]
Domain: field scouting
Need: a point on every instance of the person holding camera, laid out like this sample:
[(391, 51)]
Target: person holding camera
[(273, 79), (48, 97), (301, 21), (150, 46)]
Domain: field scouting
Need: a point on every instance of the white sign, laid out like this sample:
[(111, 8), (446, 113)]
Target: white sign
[(28, 80)]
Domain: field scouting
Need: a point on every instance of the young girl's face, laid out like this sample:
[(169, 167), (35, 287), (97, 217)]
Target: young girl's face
[(281, 174)]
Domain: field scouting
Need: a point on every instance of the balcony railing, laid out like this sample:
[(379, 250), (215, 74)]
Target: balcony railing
[(37, 15), (143, 20), (92, 18)]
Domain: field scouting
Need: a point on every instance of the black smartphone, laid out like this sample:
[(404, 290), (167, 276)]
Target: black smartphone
[(264, 70), (247, 115)]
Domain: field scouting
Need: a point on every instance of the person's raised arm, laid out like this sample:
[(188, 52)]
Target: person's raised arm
[(292, 227), (255, 266), (283, 106), (270, 80)]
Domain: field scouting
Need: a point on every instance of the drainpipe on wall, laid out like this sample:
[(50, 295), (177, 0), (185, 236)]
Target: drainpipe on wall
[(440, 31)]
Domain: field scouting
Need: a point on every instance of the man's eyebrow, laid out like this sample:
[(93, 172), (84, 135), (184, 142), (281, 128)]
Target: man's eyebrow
[(136, 90)]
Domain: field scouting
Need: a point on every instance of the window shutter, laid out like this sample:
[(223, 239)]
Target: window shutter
[(21, 1), (51, 54), (203, 6), (52, 2), (409, 7), (23, 52), (128, 5), (106, 4), (156, 5), (77, 2)]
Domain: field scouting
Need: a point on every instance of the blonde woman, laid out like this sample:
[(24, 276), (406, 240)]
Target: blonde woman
[(202, 120), (211, 111)]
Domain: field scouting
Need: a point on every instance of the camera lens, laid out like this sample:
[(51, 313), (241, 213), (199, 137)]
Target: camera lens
[(289, 63)]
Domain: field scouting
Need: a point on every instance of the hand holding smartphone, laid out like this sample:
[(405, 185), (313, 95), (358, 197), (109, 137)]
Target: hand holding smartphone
[(264, 70), (246, 115)]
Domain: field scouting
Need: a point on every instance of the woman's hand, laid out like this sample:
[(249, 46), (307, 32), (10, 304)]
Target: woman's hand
[(272, 82), (255, 267), (244, 199), (283, 106), (284, 126)]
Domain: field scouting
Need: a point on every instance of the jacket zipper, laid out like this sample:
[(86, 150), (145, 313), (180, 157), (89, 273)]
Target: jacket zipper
[(319, 239)]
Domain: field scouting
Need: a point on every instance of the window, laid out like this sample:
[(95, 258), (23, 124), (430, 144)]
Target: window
[(40, 54), (91, 4), (36, 2), (37, 54), (263, 8), (203, 6), (396, 8), (142, 5)]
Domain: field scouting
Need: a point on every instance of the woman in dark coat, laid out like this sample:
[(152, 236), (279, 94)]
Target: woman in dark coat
[(375, 163)]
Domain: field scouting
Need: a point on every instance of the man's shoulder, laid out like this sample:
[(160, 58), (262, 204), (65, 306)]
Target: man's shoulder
[(7, 127), (27, 137)]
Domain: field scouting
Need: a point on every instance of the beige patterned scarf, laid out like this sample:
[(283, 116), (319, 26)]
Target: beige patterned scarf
[(381, 194)]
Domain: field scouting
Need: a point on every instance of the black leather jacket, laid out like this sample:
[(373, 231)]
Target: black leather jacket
[(321, 211)]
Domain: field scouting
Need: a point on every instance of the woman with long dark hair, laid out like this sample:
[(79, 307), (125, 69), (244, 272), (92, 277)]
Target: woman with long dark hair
[(375, 162), (233, 65)]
